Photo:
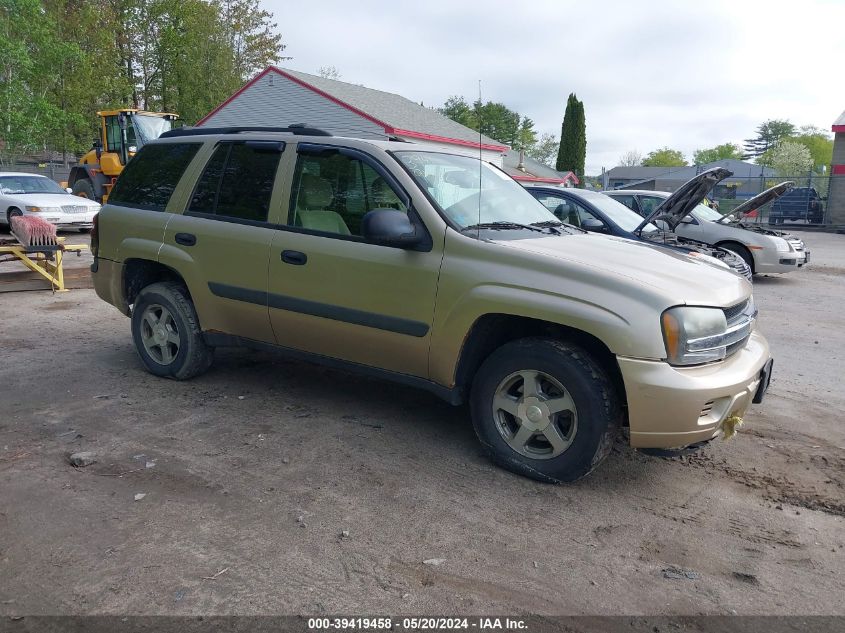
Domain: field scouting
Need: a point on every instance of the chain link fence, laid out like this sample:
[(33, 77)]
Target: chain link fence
[(807, 203)]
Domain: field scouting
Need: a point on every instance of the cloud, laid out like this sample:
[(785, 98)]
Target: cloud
[(650, 73)]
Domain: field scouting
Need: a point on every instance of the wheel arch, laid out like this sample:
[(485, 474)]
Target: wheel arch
[(138, 273), (491, 331), (725, 244)]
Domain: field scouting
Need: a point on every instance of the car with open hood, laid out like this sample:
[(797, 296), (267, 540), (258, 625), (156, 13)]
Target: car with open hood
[(593, 211), (433, 269), (763, 249), (32, 194)]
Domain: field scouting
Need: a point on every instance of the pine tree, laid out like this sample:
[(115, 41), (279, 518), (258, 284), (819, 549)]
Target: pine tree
[(573, 139)]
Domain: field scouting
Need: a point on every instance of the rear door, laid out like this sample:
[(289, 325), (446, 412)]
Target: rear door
[(221, 242)]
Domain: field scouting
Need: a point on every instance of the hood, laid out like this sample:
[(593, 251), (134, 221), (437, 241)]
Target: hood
[(677, 277), (760, 199), (51, 200), (688, 196)]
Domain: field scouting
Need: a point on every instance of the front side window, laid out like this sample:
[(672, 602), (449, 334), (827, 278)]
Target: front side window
[(649, 204), (469, 191), (333, 192), (150, 177), (237, 183)]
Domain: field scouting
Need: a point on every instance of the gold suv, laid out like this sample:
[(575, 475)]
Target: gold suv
[(412, 263)]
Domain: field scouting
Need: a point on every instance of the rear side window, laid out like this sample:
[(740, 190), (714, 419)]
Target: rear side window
[(150, 177), (237, 183)]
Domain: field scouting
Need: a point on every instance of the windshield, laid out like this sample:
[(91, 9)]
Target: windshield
[(703, 212), (453, 182), (148, 128), (622, 216), (28, 184)]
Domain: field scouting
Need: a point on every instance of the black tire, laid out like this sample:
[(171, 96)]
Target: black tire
[(10, 214), (739, 249), (84, 188), (193, 356), (596, 401)]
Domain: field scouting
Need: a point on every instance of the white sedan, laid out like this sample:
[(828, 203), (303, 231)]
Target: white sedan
[(30, 194)]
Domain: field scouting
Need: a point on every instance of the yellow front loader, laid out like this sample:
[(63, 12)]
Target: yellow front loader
[(122, 134)]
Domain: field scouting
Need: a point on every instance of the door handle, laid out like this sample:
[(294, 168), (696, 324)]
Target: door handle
[(186, 239), (294, 257)]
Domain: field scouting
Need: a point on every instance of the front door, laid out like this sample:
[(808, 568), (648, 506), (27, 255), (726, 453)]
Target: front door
[(333, 294)]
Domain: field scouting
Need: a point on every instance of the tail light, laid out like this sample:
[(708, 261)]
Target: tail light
[(95, 235)]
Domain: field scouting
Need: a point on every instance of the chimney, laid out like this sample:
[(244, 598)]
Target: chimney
[(521, 165)]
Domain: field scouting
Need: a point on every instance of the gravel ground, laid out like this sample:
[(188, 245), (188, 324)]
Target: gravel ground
[(277, 487)]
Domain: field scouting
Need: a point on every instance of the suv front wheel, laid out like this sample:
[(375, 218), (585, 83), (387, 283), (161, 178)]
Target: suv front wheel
[(545, 409), (166, 332)]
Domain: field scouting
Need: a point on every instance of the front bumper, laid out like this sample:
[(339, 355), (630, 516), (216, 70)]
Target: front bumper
[(69, 221), (671, 407), (781, 261)]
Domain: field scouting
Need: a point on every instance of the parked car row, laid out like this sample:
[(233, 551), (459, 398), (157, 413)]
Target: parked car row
[(764, 250), (462, 283)]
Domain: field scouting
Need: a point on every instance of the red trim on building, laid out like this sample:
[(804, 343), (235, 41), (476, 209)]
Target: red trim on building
[(388, 129), (838, 128), (445, 139), (837, 170), (556, 181)]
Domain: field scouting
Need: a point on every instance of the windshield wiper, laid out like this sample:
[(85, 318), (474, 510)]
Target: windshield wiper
[(501, 226), (557, 225)]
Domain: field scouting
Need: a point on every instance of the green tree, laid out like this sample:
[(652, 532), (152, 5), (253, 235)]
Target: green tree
[(768, 136), (457, 109), (665, 157), (544, 150), (818, 142), (572, 153), (720, 152), (788, 158)]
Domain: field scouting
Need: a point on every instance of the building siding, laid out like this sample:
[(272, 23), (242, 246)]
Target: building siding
[(275, 101), (836, 191)]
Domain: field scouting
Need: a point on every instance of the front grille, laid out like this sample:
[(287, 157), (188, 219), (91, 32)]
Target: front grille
[(740, 318), (74, 208), (734, 313), (798, 245)]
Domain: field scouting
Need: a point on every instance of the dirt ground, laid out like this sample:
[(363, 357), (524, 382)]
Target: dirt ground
[(277, 487)]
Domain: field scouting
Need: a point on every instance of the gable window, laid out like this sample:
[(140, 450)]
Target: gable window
[(237, 182)]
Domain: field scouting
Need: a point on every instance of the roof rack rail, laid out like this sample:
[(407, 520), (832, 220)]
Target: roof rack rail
[(299, 130)]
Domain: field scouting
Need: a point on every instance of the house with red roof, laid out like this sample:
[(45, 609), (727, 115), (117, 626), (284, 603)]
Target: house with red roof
[(278, 97)]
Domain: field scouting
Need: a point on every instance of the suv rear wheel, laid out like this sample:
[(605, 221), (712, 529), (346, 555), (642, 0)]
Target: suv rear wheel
[(166, 332), (545, 409)]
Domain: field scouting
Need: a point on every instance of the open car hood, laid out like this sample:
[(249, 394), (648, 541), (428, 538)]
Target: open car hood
[(690, 194), (760, 199)]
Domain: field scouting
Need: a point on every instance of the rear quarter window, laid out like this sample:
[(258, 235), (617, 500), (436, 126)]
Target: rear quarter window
[(150, 177)]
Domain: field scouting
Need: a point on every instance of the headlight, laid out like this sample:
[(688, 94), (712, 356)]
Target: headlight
[(782, 245), (694, 335), (44, 209)]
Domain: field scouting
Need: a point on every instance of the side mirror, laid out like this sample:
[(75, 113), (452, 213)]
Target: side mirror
[(592, 224), (389, 227)]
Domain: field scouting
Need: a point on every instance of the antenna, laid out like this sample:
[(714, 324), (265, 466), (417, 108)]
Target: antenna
[(480, 161)]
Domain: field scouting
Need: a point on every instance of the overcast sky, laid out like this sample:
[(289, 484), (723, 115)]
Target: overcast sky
[(650, 73)]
